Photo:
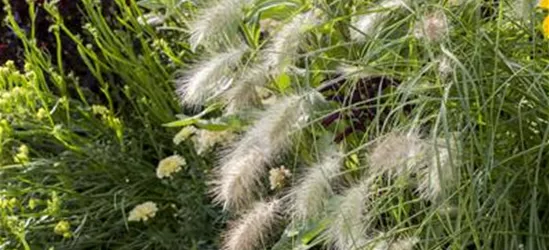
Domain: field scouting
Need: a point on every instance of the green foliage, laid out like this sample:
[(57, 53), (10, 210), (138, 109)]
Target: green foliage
[(482, 84), (74, 160)]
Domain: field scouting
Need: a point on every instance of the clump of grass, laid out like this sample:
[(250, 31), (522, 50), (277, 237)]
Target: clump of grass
[(467, 81)]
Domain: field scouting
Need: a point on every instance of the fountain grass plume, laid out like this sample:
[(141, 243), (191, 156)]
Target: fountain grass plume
[(253, 229), (245, 163), (208, 77), (314, 189)]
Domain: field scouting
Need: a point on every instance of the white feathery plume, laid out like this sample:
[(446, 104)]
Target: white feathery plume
[(208, 77), (369, 24), (243, 94), (283, 48), (401, 244), (309, 197), (439, 174), (218, 21), (524, 9), (433, 27), (349, 228), (445, 67), (252, 230), (397, 154), (243, 165)]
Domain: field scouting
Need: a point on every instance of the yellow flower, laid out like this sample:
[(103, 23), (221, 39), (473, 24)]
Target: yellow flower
[(41, 114), (544, 4), (63, 228), (169, 166), (33, 203), (143, 212), (23, 154), (546, 27)]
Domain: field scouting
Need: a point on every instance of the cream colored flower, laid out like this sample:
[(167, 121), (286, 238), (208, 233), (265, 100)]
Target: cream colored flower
[(183, 134), (278, 177), (170, 165), (143, 212), (206, 139)]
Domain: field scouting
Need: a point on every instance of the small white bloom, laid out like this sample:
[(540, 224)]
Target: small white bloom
[(183, 134), (143, 212), (206, 139), (170, 165), (433, 27), (278, 177)]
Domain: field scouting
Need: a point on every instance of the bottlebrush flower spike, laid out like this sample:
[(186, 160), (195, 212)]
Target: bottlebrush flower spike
[(397, 154), (309, 197), (208, 76), (243, 94), (245, 163), (218, 21), (252, 230), (440, 173), (367, 25), (349, 228), (401, 244), (283, 48)]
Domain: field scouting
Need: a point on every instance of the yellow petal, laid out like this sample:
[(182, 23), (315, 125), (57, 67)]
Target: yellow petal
[(544, 4), (546, 27)]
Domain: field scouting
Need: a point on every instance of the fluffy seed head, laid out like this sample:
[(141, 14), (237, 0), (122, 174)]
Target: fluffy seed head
[(401, 244), (245, 163), (348, 230), (208, 77), (433, 27), (283, 48), (369, 24), (397, 154), (439, 174), (445, 67), (315, 187), (217, 22), (243, 94), (252, 230)]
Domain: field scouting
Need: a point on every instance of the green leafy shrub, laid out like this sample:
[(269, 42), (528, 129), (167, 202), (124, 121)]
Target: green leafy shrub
[(76, 161)]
